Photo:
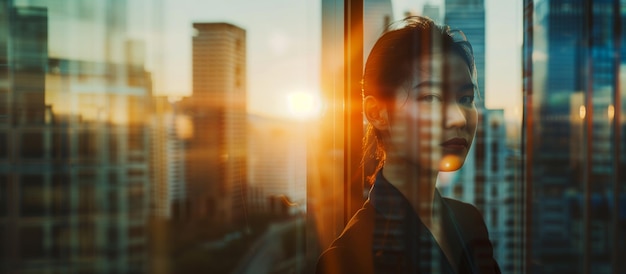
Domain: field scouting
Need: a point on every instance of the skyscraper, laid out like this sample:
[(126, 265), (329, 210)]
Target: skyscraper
[(432, 11), (169, 130), (377, 15), (74, 194), (469, 16), (22, 128), (488, 177), (215, 154), (575, 53)]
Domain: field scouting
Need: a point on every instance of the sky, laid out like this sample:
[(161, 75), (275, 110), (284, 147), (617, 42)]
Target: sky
[(283, 41), (283, 56)]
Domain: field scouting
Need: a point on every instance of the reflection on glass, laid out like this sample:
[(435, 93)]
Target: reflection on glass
[(113, 162), (576, 138), (167, 136), (419, 86), (77, 172)]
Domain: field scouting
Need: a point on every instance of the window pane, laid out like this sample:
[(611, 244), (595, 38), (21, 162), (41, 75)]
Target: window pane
[(174, 136), (574, 72), (156, 136)]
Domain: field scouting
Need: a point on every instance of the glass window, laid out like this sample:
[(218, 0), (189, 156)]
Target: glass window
[(60, 194), (32, 199), (4, 195), (32, 145), (173, 136), (31, 242), (573, 78)]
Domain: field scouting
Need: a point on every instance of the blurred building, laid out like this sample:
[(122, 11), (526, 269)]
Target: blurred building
[(432, 11), (469, 17), (576, 142), (23, 57), (276, 165), (169, 130), (377, 15), (501, 193), (100, 150), (215, 155), (489, 178), (74, 191)]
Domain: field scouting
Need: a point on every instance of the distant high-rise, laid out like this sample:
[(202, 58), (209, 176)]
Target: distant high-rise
[(26, 53), (487, 178), (168, 130), (22, 131), (469, 17), (377, 15), (432, 11), (215, 154)]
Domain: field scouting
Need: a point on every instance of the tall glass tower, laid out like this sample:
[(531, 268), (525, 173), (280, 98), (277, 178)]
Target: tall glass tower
[(469, 16)]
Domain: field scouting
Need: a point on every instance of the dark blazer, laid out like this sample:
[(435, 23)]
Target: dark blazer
[(377, 240)]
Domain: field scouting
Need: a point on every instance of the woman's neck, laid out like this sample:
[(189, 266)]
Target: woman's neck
[(417, 185)]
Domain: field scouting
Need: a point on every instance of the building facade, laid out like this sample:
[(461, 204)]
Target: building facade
[(215, 154), (75, 177), (169, 129)]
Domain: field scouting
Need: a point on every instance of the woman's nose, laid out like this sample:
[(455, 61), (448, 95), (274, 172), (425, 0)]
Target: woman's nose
[(454, 116)]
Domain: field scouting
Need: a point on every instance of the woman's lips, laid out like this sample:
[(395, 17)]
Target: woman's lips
[(455, 143)]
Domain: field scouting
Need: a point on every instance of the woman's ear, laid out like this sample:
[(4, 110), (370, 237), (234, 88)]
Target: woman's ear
[(376, 112)]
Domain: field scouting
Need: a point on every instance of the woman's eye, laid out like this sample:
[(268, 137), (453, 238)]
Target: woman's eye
[(466, 100), (431, 98)]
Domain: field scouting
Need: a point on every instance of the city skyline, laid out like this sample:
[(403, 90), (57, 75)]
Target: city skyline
[(101, 171), (289, 44)]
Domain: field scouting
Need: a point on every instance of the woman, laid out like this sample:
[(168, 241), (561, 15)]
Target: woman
[(418, 97)]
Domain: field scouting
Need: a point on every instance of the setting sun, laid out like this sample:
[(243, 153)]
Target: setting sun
[(303, 105)]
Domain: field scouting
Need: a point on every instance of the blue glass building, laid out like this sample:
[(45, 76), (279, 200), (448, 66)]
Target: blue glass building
[(575, 141)]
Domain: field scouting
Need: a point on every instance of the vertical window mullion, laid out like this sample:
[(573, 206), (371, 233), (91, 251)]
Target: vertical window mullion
[(353, 69)]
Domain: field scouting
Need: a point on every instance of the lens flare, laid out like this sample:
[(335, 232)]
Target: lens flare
[(450, 163), (303, 105)]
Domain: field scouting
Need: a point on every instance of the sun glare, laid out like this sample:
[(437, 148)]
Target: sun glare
[(303, 105)]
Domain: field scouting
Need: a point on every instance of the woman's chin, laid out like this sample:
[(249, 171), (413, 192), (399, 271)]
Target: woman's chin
[(450, 163)]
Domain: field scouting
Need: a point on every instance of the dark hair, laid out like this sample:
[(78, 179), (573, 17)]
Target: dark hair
[(390, 63)]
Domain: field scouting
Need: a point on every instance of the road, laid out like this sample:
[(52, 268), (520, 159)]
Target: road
[(267, 251)]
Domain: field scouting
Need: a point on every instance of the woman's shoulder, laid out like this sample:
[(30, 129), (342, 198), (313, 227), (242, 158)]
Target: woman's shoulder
[(351, 251), (358, 231), (460, 206), (471, 225), (344, 259), (469, 218)]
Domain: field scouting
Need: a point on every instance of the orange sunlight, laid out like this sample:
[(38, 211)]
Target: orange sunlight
[(303, 105)]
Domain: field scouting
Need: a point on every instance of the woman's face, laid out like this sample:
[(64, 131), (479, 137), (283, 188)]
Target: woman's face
[(433, 117)]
